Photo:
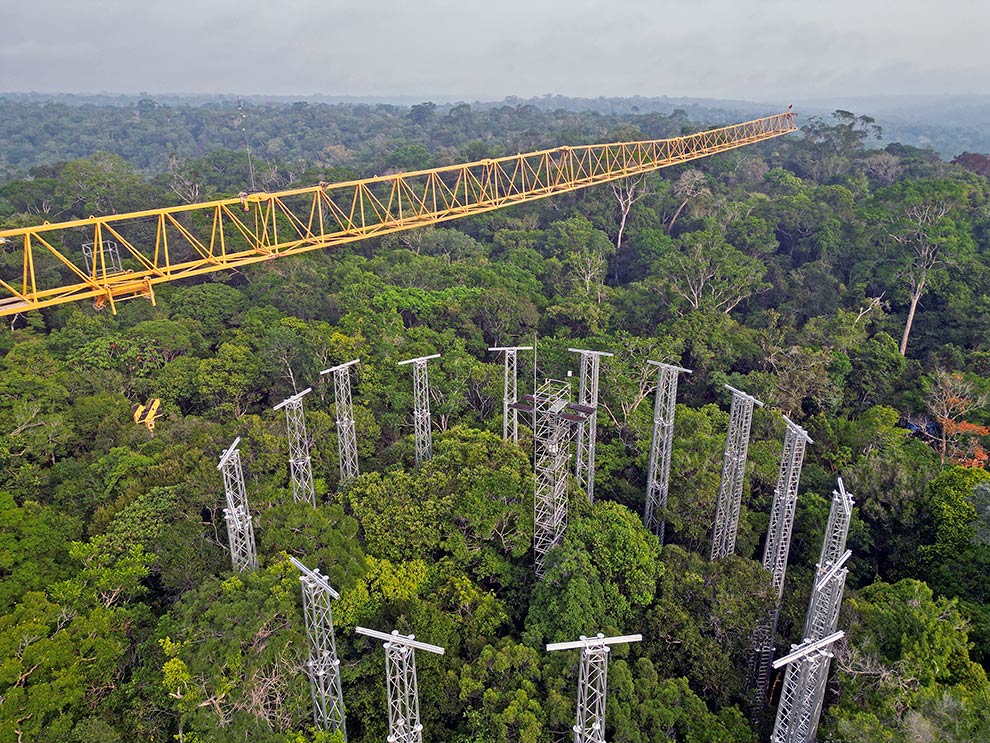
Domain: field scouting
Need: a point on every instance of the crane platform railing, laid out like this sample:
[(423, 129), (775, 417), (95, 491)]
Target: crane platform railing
[(126, 255)]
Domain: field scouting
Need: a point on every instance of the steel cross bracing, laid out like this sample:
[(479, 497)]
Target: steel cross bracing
[(658, 471), (400, 679), (803, 690), (422, 431), (592, 683), (777, 546), (584, 468), (826, 597), (174, 243), (553, 416), (346, 439), (826, 600), (322, 665), (510, 394), (240, 529), (733, 471), (300, 469), (784, 502)]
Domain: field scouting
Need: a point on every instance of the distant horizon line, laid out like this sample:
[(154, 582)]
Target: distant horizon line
[(451, 98)]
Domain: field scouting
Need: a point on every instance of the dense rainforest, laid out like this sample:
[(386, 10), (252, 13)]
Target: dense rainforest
[(844, 285)]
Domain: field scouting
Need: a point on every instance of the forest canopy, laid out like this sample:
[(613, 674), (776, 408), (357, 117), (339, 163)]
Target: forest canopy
[(843, 285)]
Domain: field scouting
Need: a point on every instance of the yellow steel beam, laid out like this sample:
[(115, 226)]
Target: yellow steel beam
[(133, 252)]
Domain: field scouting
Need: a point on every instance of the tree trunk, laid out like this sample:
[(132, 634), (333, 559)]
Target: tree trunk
[(673, 219), (915, 298)]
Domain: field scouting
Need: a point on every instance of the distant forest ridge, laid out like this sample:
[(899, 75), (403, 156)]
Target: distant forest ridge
[(949, 125)]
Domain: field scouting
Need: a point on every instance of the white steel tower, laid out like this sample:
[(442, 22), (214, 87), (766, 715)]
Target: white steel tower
[(510, 415), (553, 416), (299, 464), (240, 530), (322, 665), (803, 691), (400, 677), (658, 472), (733, 471), (584, 469), (346, 439), (421, 407), (592, 683), (778, 545)]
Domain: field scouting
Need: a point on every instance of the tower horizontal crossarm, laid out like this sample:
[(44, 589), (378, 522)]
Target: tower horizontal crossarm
[(162, 245)]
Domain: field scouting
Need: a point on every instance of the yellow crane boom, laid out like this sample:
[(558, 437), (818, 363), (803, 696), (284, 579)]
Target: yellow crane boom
[(117, 257)]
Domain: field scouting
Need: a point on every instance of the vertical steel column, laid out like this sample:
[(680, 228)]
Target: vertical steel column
[(592, 683), (240, 529), (423, 433), (510, 415), (803, 690), (658, 471), (400, 680), (299, 463), (346, 439), (778, 545), (322, 665), (733, 471), (584, 469), (551, 444)]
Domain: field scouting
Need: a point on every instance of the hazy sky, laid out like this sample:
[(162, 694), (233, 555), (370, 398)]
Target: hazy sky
[(774, 51)]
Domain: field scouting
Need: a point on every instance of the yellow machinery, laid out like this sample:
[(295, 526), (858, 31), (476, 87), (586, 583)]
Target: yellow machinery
[(146, 414), (122, 256)]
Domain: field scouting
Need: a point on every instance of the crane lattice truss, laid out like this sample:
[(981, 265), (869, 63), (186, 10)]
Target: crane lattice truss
[(300, 468), (322, 665), (733, 471), (400, 678), (422, 431), (510, 394), (347, 455), (240, 530), (553, 416), (592, 683), (131, 253), (658, 472), (803, 690), (777, 546), (584, 468)]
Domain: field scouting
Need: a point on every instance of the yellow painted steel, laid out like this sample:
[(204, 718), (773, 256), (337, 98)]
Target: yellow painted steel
[(147, 414), (128, 254)]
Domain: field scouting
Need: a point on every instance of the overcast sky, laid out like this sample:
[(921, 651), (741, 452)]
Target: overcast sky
[(774, 50)]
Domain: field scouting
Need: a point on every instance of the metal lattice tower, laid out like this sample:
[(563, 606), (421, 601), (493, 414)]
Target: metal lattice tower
[(733, 471), (346, 439), (322, 665), (299, 464), (421, 404), (777, 546), (826, 598), (658, 472), (784, 503), (510, 415), (553, 416), (803, 690), (592, 683), (400, 679), (240, 530), (584, 469)]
